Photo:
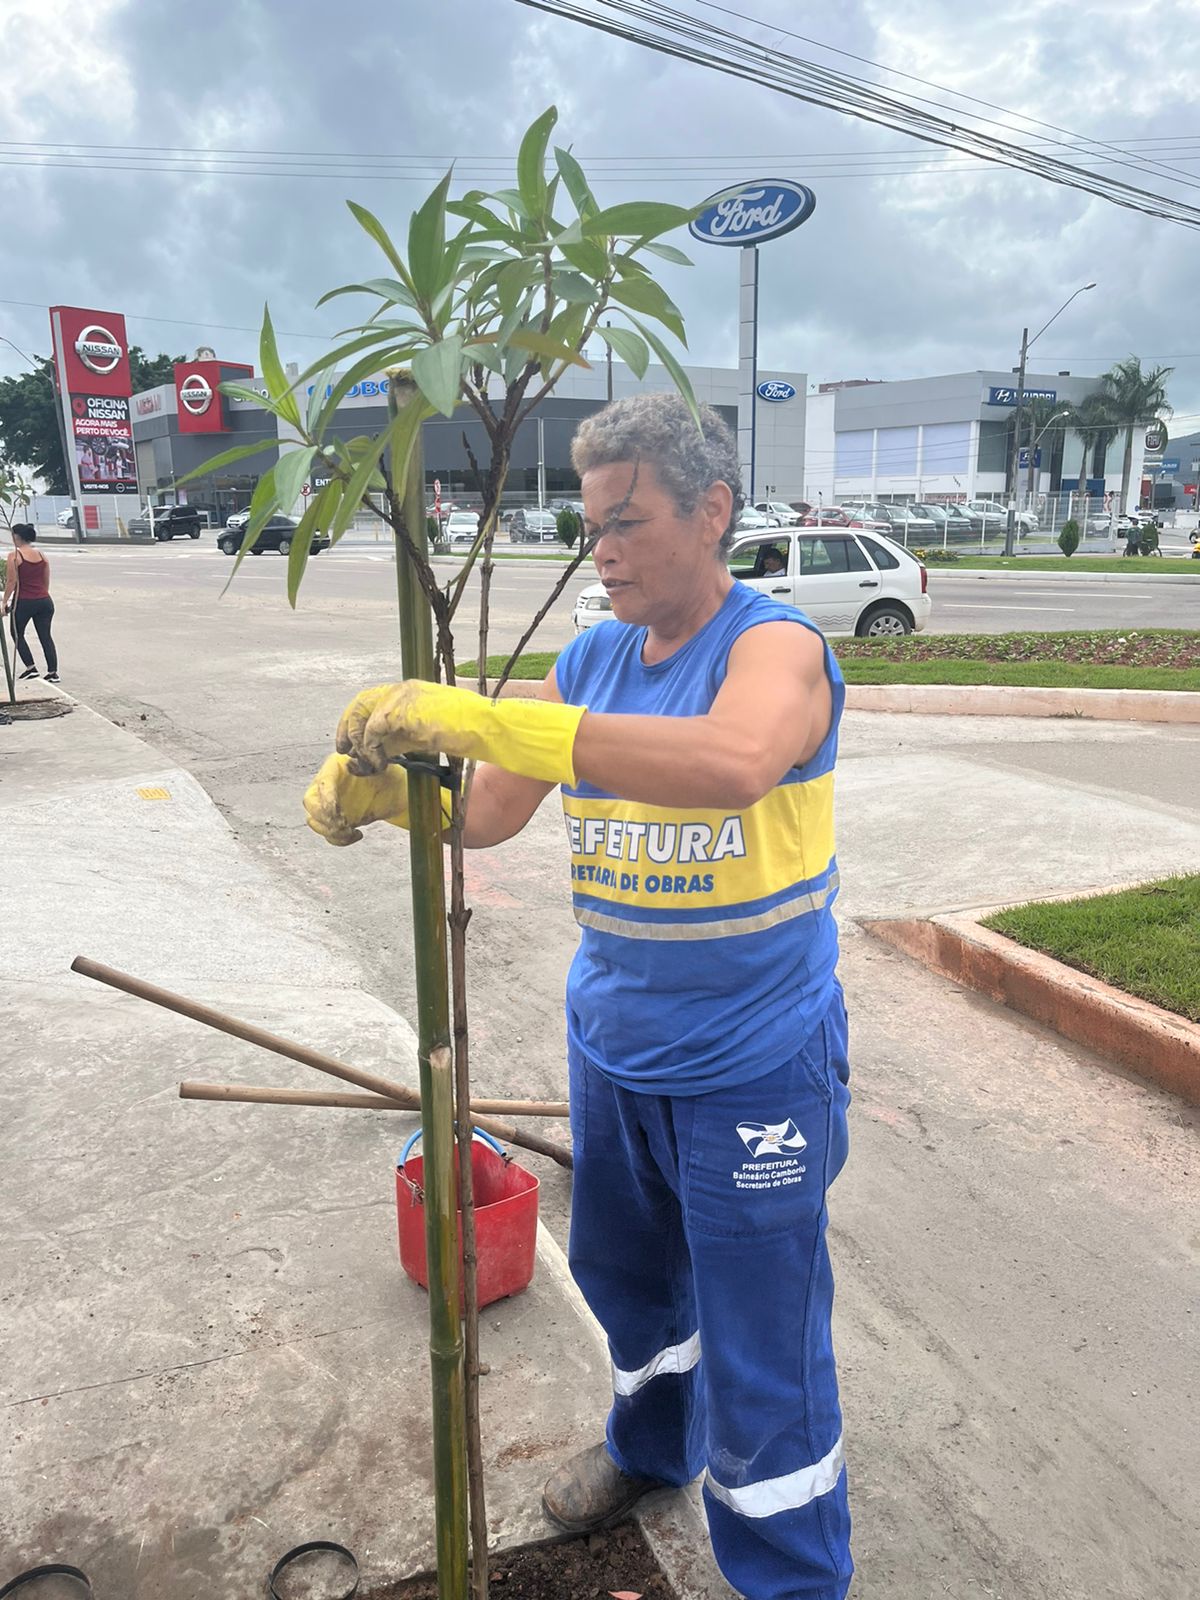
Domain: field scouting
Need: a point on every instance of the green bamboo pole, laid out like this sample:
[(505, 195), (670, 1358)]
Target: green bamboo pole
[(434, 1055)]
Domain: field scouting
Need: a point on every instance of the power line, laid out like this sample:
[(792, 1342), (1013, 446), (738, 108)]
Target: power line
[(183, 322), (681, 36)]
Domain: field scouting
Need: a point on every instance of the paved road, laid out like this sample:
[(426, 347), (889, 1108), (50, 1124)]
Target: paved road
[(361, 576), (1012, 1207)]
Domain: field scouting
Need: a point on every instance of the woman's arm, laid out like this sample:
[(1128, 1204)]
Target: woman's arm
[(772, 713), (10, 578)]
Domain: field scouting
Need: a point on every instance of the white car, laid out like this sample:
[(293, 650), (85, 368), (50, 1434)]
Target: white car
[(462, 527), (848, 581), (66, 517), (783, 516), (751, 520), (995, 516)]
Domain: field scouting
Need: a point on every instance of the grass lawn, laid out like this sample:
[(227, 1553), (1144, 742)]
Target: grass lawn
[(1155, 658), (1122, 566), (1145, 941)]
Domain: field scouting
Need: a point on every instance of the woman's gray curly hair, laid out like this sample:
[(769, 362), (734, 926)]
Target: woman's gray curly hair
[(660, 430)]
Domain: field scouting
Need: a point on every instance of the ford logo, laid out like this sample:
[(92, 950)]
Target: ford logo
[(753, 212), (776, 389)]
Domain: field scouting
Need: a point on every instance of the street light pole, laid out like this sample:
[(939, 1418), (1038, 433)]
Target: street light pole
[(1026, 345)]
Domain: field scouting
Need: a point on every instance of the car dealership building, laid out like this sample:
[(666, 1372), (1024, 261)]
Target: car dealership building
[(178, 427)]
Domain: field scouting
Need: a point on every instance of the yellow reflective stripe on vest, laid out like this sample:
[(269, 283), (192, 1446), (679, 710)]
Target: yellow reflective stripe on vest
[(665, 858)]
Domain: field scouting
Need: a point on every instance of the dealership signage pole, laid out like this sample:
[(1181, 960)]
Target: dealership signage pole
[(91, 365), (746, 217)]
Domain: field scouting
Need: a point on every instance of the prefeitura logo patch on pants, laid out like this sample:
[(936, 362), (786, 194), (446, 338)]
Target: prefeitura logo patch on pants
[(775, 1147)]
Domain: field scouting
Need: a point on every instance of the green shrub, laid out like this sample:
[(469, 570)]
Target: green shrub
[(1068, 539), (569, 525), (937, 556)]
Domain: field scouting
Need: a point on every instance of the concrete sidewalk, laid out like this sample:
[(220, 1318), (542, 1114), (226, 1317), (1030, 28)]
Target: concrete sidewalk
[(209, 1351)]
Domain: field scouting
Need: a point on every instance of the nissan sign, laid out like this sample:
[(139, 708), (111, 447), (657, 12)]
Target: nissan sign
[(195, 393), (776, 389), (98, 350), (754, 212)]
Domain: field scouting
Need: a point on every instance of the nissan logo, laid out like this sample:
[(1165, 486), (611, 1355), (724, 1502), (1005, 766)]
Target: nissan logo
[(195, 394), (98, 350)]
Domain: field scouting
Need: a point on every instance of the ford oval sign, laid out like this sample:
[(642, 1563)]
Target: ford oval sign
[(776, 389), (753, 212)]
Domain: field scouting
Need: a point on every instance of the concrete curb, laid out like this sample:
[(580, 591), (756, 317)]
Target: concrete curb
[(1156, 1044), (1009, 573), (988, 700), (983, 700)]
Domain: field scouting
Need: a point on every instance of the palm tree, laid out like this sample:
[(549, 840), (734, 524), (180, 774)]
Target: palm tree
[(1135, 399), (1092, 418)]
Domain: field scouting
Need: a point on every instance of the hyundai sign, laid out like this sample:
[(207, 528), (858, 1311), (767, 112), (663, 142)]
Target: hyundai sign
[(754, 212), (776, 389)]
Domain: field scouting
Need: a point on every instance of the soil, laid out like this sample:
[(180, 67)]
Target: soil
[(35, 710), (617, 1561)]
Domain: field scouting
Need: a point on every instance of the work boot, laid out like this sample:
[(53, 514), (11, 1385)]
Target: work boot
[(590, 1491)]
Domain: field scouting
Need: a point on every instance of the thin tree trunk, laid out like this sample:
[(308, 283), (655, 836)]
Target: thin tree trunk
[(434, 1055), (1126, 465)]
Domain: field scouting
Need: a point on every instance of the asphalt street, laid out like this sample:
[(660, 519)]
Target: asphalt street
[(359, 577)]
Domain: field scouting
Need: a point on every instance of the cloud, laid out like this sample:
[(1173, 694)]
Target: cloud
[(894, 276)]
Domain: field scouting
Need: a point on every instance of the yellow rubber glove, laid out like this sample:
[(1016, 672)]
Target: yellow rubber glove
[(533, 738), (340, 804)]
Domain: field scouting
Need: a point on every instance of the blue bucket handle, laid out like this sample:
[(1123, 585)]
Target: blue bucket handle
[(476, 1133)]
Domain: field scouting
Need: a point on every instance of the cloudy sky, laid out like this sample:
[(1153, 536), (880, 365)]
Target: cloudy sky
[(898, 275)]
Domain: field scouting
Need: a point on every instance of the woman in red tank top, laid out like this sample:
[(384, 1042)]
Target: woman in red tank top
[(27, 596)]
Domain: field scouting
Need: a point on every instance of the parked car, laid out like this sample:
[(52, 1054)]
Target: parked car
[(66, 517), (164, 522), (276, 534), (995, 516), (950, 521), (236, 520), (530, 526), (848, 582), (903, 522), (837, 517), (461, 527), (784, 515), (752, 520)]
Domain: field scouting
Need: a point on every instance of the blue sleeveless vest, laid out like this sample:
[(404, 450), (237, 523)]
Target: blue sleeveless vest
[(708, 942)]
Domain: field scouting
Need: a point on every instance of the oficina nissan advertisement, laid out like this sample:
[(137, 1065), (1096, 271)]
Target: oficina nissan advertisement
[(91, 356)]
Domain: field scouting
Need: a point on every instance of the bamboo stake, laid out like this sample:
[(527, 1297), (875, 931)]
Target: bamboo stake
[(446, 1354), (253, 1094)]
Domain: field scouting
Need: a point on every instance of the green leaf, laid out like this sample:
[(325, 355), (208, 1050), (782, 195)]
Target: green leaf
[(644, 295), (291, 471), (438, 373), (590, 258), (358, 484), (574, 287), (513, 200), (225, 459), (380, 338), (375, 361), (390, 289), (531, 162), (401, 437), (372, 225), (263, 502), (666, 252), (631, 349), (639, 219), (513, 281), (427, 242), (316, 515), (316, 396), (576, 184), (567, 327), (487, 355), (541, 344), (681, 380)]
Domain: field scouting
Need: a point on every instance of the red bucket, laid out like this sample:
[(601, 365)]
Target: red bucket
[(506, 1211)]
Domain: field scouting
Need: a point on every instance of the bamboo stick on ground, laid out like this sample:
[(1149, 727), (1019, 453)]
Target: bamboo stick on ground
[(396, 1092), (252, 1094)]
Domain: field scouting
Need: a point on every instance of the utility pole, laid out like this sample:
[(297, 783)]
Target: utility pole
[(1010, 528)]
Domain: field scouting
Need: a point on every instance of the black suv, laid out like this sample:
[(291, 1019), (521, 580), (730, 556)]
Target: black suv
[(164, 522), (276, 534)]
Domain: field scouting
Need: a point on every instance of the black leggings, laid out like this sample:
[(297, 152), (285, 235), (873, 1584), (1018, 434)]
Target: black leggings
[(40, 613)]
